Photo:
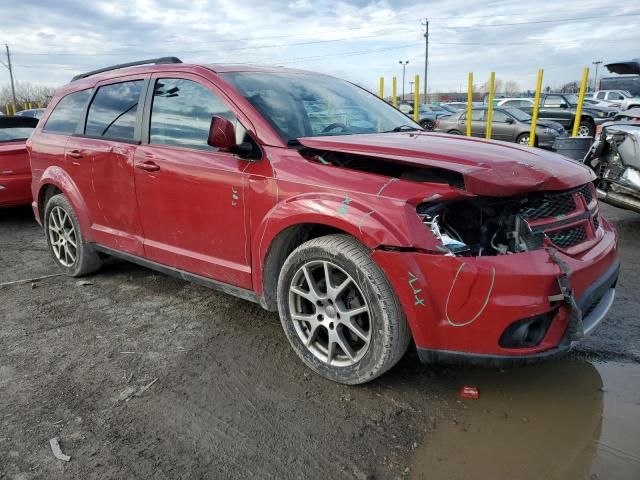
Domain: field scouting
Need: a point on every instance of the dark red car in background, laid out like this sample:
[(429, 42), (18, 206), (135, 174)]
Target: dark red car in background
[(315, 198), (15, 172)]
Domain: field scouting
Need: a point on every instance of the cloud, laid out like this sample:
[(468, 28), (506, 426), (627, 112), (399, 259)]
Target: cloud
[(360, 40)]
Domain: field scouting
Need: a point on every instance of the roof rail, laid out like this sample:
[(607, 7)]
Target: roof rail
[(155, 61)]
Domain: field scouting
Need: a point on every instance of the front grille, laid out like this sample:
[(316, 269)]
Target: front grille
[(568, 238), (587, 193), (551, 205)]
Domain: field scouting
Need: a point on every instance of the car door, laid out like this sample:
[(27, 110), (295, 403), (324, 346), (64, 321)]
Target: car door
[(502, 127), (103, 155), (191, 196), (556, 109), (478, 127)]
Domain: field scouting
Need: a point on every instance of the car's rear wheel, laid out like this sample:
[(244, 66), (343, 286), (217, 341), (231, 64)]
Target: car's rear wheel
[(586, 129), (523, 139), (454, 132), (339, 311), (65, 240), (427, 125)]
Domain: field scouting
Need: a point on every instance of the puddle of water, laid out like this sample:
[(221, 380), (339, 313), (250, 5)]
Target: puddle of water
[(561, 420)]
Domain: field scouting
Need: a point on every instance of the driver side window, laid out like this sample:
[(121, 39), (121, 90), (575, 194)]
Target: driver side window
[(554, 101), (181, 113)]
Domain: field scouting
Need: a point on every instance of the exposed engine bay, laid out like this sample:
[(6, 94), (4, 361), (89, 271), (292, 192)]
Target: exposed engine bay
[(484, 226), (615, 158)]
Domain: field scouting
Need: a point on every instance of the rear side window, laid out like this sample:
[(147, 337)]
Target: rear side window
[(112, 113), (66, 114), (181, 113)]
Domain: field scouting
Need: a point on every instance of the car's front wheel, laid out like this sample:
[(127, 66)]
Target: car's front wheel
[(65, 239), (339, 311), (586, 129)]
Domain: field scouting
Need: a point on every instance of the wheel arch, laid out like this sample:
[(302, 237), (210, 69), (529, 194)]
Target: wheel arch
[(54, 181), (292, 223)]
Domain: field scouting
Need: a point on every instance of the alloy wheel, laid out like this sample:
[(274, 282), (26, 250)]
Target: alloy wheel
[(330, 314), (62, 236), (584, 131), (524, 140)]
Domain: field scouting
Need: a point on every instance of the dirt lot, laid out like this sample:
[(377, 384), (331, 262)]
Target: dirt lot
[(144, 376)]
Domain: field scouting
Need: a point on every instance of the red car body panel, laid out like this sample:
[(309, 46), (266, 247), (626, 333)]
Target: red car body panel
[(516, 170), (217, 216), (15, 174)]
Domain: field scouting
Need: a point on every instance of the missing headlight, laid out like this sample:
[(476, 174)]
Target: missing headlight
[(481, 226)]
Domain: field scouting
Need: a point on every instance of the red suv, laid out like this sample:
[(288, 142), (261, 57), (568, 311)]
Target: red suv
[(313, 197)]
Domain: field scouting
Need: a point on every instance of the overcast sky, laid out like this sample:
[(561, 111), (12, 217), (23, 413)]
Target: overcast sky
[(360, 40)]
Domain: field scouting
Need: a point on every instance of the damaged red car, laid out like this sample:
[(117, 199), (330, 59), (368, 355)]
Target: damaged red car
[(15, 173), (316, 199)]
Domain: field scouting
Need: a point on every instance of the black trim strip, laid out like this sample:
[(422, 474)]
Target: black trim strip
[(189, 277)]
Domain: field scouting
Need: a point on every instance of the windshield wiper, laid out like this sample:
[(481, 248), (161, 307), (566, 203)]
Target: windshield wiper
[(403, 128)]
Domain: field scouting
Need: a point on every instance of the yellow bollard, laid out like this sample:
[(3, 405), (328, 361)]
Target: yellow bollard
[(583, 88), (492, 83), (534, 114), (394, 88), (469, 102), (416, 99), (382, 88)]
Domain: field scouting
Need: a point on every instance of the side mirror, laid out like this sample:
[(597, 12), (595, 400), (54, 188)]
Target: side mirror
[(564, 105), (222, 135), (509, 120)]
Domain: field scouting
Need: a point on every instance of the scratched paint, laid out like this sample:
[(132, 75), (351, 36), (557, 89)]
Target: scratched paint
[(342, 211), (416, 289), (234, 197)]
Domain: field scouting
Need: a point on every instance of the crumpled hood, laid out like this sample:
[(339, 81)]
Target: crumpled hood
[(488, 167)]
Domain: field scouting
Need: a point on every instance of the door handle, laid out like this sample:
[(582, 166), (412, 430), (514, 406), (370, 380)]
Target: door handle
[(75, 154), (148, 166)]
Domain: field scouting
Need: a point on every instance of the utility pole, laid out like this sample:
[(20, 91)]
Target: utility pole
[(426, 56), (404, 65), (410, 89), (595, 80), (8, 66)]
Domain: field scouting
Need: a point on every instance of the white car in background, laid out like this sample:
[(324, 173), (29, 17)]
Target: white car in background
[(515, 102), (622, 98)]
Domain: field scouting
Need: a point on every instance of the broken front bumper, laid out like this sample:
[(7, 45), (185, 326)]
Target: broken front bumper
[(461, 308)]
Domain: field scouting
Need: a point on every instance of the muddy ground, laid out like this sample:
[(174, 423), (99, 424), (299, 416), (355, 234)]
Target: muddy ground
[(144, 376)]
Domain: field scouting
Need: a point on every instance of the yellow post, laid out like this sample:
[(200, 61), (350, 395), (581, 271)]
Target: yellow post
[(492, 82), (416, 99), (583, 89), (382, 88), (469, 102), (534, 114), (394, 88)]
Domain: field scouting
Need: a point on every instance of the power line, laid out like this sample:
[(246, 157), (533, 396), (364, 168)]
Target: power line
[(252, 47), (534, 22)]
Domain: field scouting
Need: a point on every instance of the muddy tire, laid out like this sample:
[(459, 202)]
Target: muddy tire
[(339, 311), (64, 238)]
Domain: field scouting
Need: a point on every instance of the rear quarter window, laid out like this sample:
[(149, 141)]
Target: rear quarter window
[(67, 113)]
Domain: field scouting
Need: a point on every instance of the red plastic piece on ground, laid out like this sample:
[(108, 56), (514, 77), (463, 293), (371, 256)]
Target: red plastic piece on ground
[(469, 392)]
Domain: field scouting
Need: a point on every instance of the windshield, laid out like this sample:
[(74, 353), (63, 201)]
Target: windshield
[(572, 99), (308, 105), (624, 93), (14, 133), (518, 114)]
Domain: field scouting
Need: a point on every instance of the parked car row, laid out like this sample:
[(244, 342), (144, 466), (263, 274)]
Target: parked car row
[(508, 124)]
